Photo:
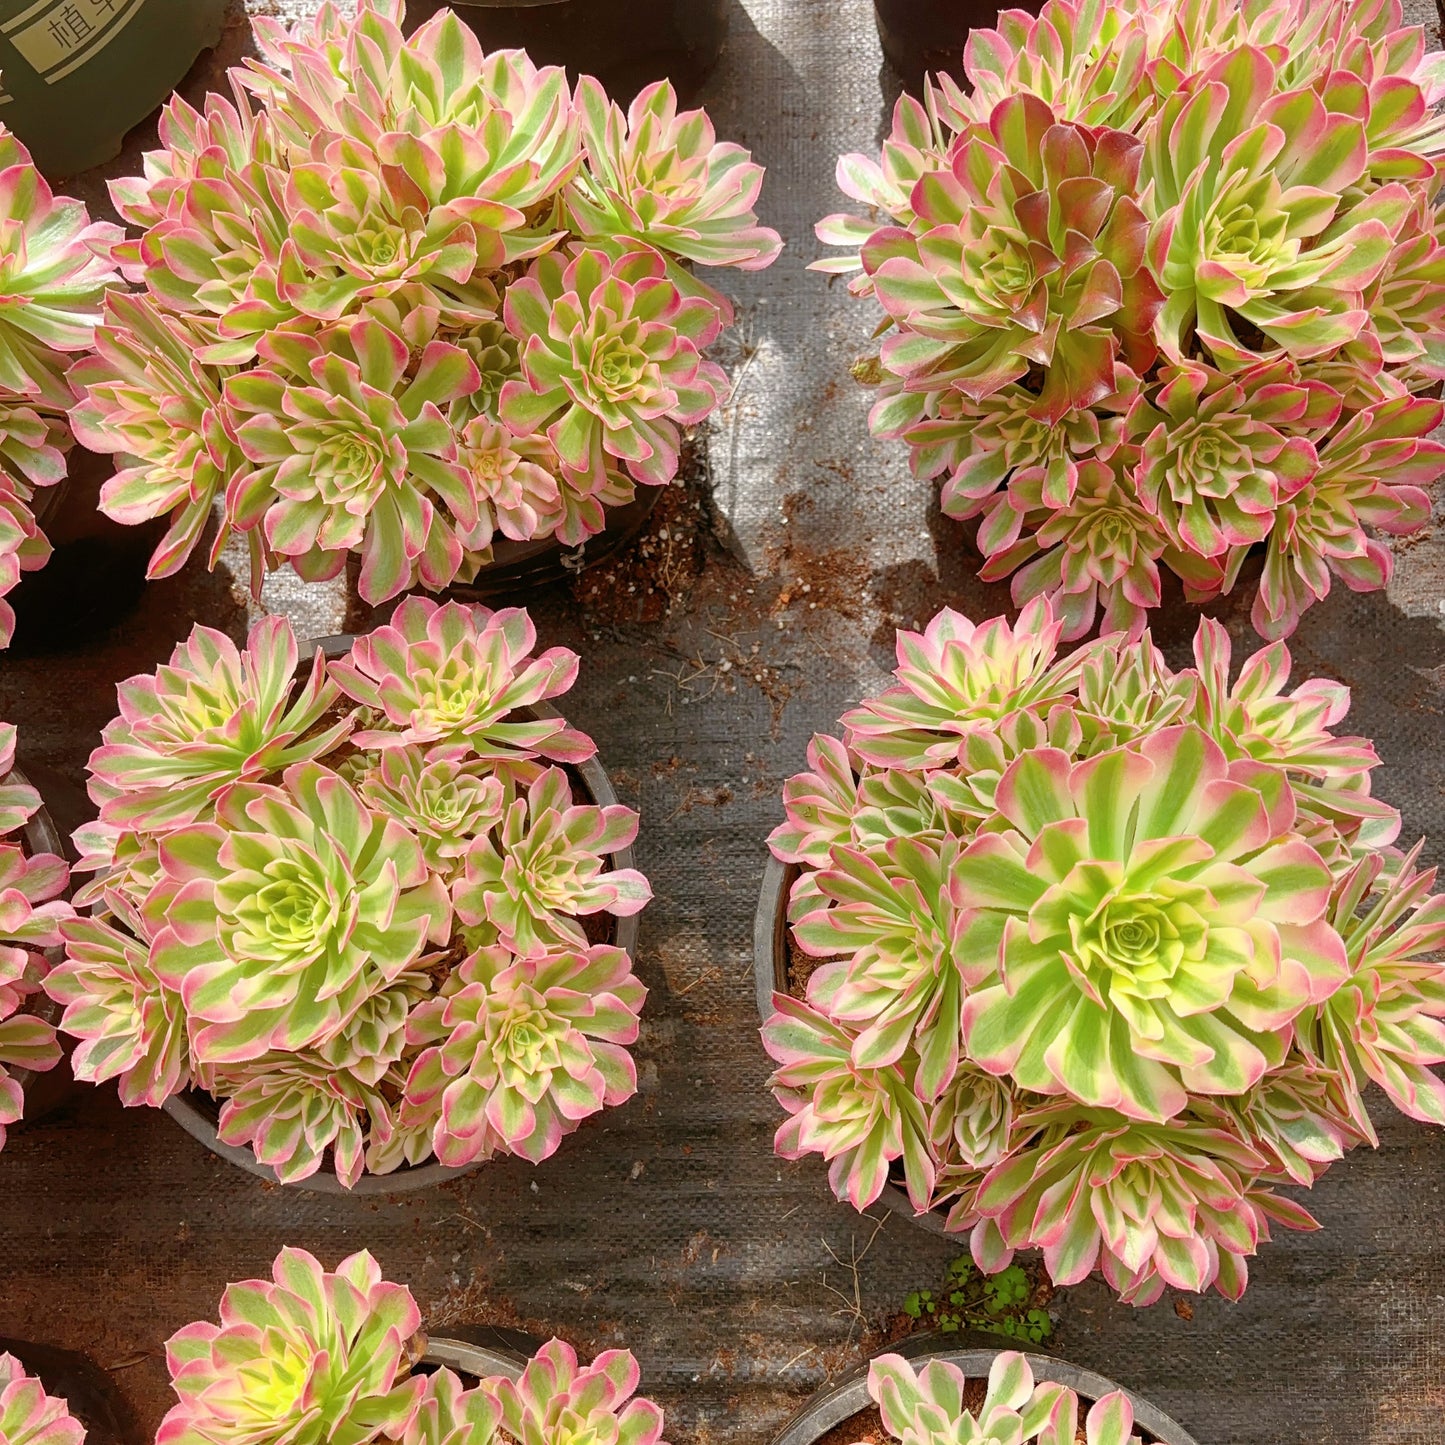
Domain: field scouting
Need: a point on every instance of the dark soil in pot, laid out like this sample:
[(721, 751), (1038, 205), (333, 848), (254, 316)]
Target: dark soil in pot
[(522, 567), (97, 572), (626, 44), (927, 36), (78, 74)]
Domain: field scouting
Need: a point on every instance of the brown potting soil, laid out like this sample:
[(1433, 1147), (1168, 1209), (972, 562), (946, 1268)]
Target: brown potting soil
[(801, 967), (647, 579)]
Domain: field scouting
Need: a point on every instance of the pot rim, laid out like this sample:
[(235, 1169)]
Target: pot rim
[(40, 836), (835, 1404), (410, 1177), (770, 975), (471, 1359)]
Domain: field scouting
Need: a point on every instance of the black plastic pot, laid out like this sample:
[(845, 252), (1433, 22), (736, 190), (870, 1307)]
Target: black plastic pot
[(481, 1352), (832, 1407), (520, 567), (927, 36), (626, 44), (770, 976), (199, 1114), (87, 1390), (78, 74), (97, 572), (46, 1091)]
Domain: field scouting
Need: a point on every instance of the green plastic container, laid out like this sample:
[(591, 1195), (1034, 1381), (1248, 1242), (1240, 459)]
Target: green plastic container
[(76, 75)]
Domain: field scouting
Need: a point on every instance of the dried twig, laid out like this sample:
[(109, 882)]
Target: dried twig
[(852, 1301)]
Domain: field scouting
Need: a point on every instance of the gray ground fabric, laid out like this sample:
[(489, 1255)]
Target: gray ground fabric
[(668, 1225)]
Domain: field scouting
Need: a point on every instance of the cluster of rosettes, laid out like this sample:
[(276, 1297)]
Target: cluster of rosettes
[(348, 900), (1105, 952), (399, 298), (31, 913), (312, 1358), (1166, 287), (52, 283), (28, 1416), (918, 1406)]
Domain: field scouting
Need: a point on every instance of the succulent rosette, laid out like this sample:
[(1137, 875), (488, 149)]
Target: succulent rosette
[(544, 870), (53, 283), (146, 395), (349, 450), (663, 179), (344, 271), (557, 1398), (918, 1405), (1001, 277), (214, 715), (1103, 953), (453, 676), (32, 911), (306, 1356), (529, 1048), (313, 1355), (1149, 282), (342, 897), (28, 1416), (611, 363)]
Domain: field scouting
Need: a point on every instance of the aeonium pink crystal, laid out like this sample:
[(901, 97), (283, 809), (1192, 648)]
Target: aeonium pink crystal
[(1104, 953), (54, 276), (319, 1357), (29, 1416), (1149, 282), (346, 898), (328, 268)]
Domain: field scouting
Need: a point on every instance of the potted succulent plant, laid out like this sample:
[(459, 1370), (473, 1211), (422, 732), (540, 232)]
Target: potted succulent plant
[(88, 1400), (627, 47), (926, 1391), (420, 331), (1084, 918), (28, 1416), (360, 914), (311, 1355), (33, 878), (927, 37), (1164, 289), (52, 284), (78, 74)]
